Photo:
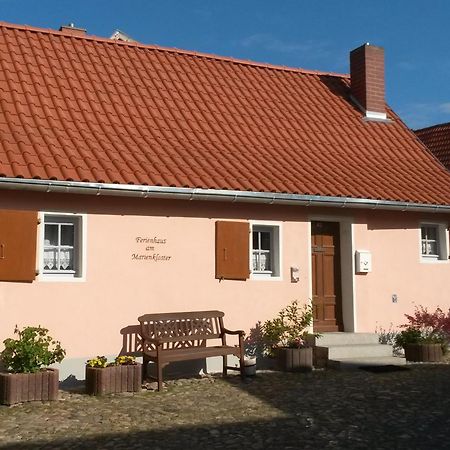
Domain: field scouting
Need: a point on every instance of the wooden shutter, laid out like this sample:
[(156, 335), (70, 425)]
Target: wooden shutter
[(232, 250), (18, 235)]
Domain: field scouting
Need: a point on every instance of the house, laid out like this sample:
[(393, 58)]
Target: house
[(437, 139), (136, 179)]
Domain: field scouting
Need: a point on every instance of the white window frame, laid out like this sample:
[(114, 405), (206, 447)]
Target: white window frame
[(80, 222), (442, 243), (276, 251)]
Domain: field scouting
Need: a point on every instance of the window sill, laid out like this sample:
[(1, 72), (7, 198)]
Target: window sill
[(433, 260), (264, 277), (60, 278), (60, 273)]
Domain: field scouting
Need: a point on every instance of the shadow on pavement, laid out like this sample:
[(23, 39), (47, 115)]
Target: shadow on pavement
[(230, 436), (320, 410)]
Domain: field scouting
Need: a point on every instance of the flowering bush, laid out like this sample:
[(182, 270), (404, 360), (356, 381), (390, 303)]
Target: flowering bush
[(425, 327), (389, 337), (289, 328), (33, 350), (125, 361), (101, 361)]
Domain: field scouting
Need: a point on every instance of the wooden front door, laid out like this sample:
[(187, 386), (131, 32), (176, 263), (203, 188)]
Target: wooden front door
[(326, 277)]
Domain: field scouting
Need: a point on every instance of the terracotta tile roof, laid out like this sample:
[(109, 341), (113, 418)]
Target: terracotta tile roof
[(97, 110), (437, 139)]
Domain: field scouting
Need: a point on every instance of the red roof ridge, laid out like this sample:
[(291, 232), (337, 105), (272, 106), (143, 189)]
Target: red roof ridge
[(174, 50), (444, 124)]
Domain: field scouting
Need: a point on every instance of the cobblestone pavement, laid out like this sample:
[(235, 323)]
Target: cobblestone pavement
[(321, 410)]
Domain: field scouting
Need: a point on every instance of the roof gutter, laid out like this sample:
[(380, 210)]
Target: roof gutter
[(128, 190)]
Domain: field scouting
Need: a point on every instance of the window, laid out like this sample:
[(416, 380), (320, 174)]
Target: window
[(433, 242), (262, 250), (265, 251), (430, 242), (62, 245)]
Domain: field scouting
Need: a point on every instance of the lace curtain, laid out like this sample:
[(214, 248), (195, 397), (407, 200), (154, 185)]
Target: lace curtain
[(429, 240), (261, 261), (58, 259)]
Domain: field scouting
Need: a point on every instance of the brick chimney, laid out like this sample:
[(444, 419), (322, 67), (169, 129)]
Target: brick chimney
[(73, 30), (367, 80)]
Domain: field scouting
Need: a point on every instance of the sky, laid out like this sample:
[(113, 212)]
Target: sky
[(315, 35)]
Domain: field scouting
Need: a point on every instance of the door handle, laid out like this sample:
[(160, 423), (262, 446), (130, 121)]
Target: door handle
[(2, 251)]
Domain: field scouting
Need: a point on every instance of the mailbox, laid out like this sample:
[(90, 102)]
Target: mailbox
[(363, 261)]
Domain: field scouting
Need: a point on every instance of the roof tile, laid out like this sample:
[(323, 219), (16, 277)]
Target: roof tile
[(437, 139), (90, 109)]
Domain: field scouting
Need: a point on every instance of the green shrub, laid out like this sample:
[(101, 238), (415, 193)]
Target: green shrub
[(289, 328), (408, 336), (33, 350)]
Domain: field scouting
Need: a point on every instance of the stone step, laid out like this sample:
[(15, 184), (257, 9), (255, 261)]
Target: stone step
[(343, 338), (359, 351), (356, 363)]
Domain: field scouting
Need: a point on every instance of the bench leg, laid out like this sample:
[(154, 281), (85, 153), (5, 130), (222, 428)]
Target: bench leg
[(225, 362), (242, 366), (160, 375), (241, 355), (145, 362)]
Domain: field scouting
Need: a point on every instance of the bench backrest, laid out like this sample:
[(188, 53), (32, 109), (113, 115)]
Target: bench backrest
[(183, 329)]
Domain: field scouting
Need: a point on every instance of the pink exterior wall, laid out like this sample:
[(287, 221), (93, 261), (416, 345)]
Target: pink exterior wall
[(394, 240), (87, 315)]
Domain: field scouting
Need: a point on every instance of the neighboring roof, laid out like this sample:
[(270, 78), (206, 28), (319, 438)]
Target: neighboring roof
[(89, 109), (437, 139)]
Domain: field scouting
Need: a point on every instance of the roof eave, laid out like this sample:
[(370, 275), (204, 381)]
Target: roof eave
[(162, 192)]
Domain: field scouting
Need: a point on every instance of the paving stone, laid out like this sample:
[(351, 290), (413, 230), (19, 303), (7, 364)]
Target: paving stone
[(322, 410)]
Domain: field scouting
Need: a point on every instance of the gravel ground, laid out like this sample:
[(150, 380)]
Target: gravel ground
[(407, 409)]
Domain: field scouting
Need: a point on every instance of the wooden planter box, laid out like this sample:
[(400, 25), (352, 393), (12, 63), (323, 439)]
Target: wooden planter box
[(28, 387), (423, 352), (295, 359), (113, 379)]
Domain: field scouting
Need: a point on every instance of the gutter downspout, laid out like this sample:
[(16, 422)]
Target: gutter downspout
[(143, 191)]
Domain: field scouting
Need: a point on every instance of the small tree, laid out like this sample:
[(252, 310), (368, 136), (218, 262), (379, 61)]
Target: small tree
[(438, 321), (425, 327), (32, 350)]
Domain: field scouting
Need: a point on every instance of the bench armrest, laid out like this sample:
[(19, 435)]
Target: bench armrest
[(226, 331), (152, 340), (148, 339)]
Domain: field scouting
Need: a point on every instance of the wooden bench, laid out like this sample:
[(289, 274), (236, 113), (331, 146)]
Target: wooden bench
[(182, 336)]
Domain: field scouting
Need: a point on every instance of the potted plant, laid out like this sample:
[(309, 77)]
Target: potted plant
[(26, 359), (285, 337), (122, 375), (425, 337)]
